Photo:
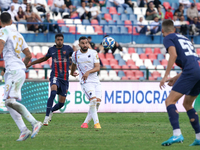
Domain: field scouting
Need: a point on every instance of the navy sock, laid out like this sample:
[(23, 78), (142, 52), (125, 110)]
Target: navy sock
[(57, 106), (194, 119), (50, 102), (173, 116)]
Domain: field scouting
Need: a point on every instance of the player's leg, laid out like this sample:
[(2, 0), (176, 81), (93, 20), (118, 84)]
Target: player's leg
[(17, 78), (173, 118)]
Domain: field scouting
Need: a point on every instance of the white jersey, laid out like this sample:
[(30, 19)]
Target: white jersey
[(14, 45), (84, 63)]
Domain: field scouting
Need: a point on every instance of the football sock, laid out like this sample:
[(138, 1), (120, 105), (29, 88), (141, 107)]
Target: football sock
[(89, 116), (93, 111), (57, 106), (173, 116), (21, 109), (50, 102), (194, 120), (177, 132), (17, 118)]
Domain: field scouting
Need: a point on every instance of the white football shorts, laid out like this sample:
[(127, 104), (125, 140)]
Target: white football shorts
[(14, 80), (92, 89)]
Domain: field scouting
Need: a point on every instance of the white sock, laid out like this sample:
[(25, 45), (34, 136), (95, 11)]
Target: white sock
[(17, 118), (93, 111), (21, 109), (89, 116), (177, 132), (198, 136)]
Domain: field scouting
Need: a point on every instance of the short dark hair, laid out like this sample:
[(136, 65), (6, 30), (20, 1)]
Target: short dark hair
[(59, 35), (5, 17), (106, 35), (82, 38), (168, 25), (89, 37)]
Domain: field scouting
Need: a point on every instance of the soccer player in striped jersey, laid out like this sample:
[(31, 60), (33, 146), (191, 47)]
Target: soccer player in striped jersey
[(59, 83), (87, 62)]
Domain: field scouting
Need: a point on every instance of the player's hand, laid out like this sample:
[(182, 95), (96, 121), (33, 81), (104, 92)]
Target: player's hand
[(162, 83), (28, 66), (85, 76), (75, 74), (171, 81)]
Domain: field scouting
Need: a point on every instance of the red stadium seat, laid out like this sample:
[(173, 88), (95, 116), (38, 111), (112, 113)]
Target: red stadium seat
[(187, 22), (107, 17), (152, 57), (125, 68), (139, 74), (61, 22), (94, 22), (143, 56), (166, 5), (104, 62), (50, 2), (127, 23), (39, 55), (148, 51), (129, 73), (198, 6), (130, 62), (157, 51), (98, 29), (125, 78), (116, 67), (101, 55), (26, 75), (132, 30), (109, 56), (198, 51), (151, 78), (2, 64), (72, 29), (156, 74), (131, 50), (164, 62), (133, 78), (112, 10), (113, 62), (33, 56)]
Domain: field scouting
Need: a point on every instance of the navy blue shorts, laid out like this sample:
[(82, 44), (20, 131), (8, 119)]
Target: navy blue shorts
[(188, 84), (62, 85)]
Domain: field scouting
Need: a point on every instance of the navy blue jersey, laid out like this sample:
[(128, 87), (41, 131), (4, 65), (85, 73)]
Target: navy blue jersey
[(60, 61), (187, 59)]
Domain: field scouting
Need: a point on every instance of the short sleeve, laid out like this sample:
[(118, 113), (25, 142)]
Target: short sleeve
[(25, 45), (95, 57), (168, 42), (4, 35), (73, 58), (70, 50), (48, 54)]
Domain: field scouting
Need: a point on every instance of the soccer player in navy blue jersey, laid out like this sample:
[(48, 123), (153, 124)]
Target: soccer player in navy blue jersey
[(59, 83), (186, 83)]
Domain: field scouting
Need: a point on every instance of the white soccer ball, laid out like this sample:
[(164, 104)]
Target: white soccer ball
[(108, 42)]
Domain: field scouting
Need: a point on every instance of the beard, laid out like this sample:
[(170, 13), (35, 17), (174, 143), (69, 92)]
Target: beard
[(84, 49)]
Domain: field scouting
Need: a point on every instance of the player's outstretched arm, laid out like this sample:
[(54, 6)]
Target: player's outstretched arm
[(172, 59), (2, 43), (73, 68), (95, 69), (28, 56), (40, 60)]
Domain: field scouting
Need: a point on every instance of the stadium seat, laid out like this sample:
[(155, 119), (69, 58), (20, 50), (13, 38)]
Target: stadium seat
[(126, 57), (137, 11), (112, 10), (132, 18), (111, 23), (130, 62), (115, 30), (107, 17), (103, 75), (45, 50), (90, 30), (143, 11), (156, 62), (131, 50), (21, 28), (109, 56), (113, 75), (121, 62), (32, 74), (120, 23), (125, 68), (103, 22), (121, 74), (41, 74), (61, 22), (139, 62), (117, 56), (198, 6), (134, 31), (94, 22), (148, 51), (160, 57), (167, 56), (107, 30), (69, 21), (58, 17), (72, 29), (143, 56), (39, 55), (101, 55), (151, 68), (113, 62), (98, 30), (115, 67), (166, 5), (140, 51), (139, 74), (129, 73), (104, 62), (36, 49), (123, 30), (127, 23), (81, 29), (147, 63), (142, 78), (172, 74), (85, 22), (77, 21), (157, 51), (159, 78), (164, 62), (160, 69), (156, 74), (129, 10), (64, 29), (124, 17), (135, 56), (125, 78), (116, 17), (46, 66), (151, 78), (104, 10), (120, 10), (152, 57)]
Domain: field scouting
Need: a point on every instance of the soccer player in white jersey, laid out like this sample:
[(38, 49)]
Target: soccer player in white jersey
[(87, 62), (12, 44)]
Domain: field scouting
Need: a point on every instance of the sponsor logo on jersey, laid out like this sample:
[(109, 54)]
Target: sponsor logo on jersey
[(89, 56)]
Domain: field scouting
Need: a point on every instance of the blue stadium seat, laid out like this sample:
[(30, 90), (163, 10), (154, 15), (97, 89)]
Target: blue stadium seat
[(129, 10), (123, 30), (46, 66), (104, 10), (132, 17), (115, 17), (108, 67), (64, 29), (115, 30), (76, 3), (160, 57), (33, 59), (121, 74), (107, 30), (156, 62), (140, 51), (119, 22), (122, 62), (120, 10), (175, 5), (117, 56), (103, 22), (111, 22), (142, 78), (109, 4), (179, 69), (86, 22), (124, 17), (159, 78)]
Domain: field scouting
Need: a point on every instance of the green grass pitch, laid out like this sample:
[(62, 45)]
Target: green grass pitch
[(120, 131)]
